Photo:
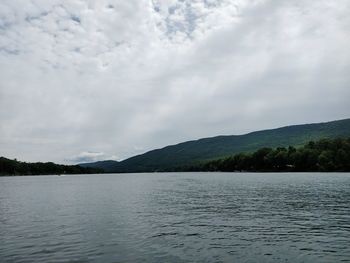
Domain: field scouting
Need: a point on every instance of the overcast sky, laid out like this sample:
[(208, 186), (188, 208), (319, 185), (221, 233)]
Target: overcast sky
[(86, 80)]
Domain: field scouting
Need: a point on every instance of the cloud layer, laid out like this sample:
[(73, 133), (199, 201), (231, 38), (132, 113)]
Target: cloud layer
[(117, 78)]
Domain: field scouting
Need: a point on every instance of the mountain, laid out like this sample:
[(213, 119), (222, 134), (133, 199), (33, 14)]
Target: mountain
[(324, 155), (108, 165), (183, 154)]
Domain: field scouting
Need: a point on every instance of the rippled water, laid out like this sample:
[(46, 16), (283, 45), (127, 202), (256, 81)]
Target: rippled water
[(177, 217)]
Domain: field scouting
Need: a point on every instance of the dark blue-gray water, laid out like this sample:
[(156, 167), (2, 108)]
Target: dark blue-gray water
[(176, 217)]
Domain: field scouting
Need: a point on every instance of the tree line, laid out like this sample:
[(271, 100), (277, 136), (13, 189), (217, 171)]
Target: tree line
[(326, 155), (14, 167)]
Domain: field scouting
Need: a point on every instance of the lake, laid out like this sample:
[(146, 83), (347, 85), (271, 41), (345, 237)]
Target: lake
[(176, 217)]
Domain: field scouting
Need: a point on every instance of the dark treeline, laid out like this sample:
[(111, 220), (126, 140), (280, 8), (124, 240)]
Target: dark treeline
[(14, 167), (326, 155)]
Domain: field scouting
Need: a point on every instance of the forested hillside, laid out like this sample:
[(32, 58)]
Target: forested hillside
[(325, 155), (172, 157)]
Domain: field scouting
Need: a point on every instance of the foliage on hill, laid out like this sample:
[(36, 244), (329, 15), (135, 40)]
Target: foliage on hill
[(326, 155), (14, 167), (171, 157)]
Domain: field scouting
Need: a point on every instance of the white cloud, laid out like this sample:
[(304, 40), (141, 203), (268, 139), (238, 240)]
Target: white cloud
[(123, 77)]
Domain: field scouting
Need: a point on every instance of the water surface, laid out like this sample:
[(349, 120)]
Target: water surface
[(176, 217)]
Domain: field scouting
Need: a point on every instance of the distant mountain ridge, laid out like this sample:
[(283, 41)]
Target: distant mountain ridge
[(172, 157), (107, 165)]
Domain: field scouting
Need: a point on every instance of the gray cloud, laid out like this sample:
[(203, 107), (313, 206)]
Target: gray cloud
[(123, 77)]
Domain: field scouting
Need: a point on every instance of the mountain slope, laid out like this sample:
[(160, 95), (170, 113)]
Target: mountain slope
[(186, 153), (108, 165)]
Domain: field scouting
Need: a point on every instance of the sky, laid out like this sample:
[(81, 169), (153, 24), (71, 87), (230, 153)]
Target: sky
[(85, 80)]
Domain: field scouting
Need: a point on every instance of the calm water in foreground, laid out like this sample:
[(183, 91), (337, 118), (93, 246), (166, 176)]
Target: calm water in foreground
[(177, 217)]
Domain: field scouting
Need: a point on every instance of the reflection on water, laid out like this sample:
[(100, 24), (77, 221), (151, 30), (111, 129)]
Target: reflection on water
[(178, 217)]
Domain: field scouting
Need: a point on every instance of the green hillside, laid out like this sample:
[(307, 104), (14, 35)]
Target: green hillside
[(325, 155), (171, 157)]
